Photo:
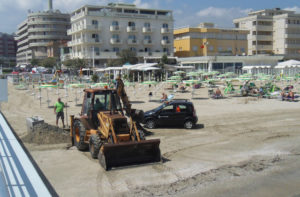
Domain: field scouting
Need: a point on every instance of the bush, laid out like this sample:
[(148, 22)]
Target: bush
[(95, 78)]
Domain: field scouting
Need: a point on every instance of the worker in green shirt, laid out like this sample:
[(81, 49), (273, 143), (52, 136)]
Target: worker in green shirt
[(59, 111)]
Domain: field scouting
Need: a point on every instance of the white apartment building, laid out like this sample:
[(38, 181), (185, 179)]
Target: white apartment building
[(38, 30), (100, 32), (272, 31)]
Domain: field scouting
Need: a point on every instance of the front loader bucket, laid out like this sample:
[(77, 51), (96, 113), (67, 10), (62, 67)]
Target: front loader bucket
[(129, 153)]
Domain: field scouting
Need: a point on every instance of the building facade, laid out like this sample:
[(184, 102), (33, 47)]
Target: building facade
[(206, 40), (230, 63), (8, 49), (100, 32), (272, 31), (40, 28)]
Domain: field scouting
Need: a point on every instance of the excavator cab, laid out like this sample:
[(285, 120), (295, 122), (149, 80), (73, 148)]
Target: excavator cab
[(103, 128)]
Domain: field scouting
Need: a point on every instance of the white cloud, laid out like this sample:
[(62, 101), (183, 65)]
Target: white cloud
[(223, 12), (295, 8)]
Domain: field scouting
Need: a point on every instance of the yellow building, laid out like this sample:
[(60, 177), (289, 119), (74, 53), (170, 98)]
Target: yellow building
[(206, 40)]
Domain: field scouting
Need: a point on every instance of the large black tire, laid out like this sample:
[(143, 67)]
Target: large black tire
[(94, 145), (150, 124), (188, 124), (78, 136)]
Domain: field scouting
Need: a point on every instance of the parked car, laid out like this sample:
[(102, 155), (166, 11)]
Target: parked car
[(173, 113)]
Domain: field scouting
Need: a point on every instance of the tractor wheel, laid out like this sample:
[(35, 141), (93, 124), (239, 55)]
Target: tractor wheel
[(94, 145), (150, 124), (188, 124), (78, 136)]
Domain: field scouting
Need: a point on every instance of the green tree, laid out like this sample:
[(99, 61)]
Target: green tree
[(76, 63), (128, 56), (49, 62), (164, 59), (95, 78), (34, 62)]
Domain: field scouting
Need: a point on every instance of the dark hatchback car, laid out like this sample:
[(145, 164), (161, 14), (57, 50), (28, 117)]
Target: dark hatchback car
[(174, 113)]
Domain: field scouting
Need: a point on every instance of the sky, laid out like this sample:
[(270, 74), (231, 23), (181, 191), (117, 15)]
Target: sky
[(185, 12)]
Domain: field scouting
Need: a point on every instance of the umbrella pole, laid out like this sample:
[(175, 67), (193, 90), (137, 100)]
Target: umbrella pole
[(75, 97), (40, 97), (47, 97), (67, 114)]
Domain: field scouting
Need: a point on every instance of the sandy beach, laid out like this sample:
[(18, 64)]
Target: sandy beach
[(241, 146)]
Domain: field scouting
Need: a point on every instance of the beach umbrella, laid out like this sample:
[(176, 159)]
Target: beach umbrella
[(127, 83), (193, 74), (191, 82), (179, 72), (76, 85), (175, 77), (101, 84), (172, 81), (150, 82)]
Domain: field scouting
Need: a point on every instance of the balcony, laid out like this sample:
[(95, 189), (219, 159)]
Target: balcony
[(293, 36), (84, 28), (114, 28), (132, 42), (115, 41), (165, 30), (147, 30), (85, 41), (165, 42), (292, 46), (144, 54), (131, 29), (262, 38), (263, 28), (147, 42), (38, 44), (288, 26), (263, 48)]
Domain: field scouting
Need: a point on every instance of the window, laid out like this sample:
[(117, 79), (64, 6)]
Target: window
[(165, 38), (167, 109), (115, 23), (195, 48), (147, 25), (220, 49), (131, 24), (147, 37), (229, 49), (242, 50), (181, 108), (211, 48), (165, 25), (131, 37), (94, 22), (132, 49), (116, 49), (165, 50), (115, 36), (147, 50), (180, 48), (97, 50)]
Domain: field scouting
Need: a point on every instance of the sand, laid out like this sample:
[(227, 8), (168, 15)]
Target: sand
[(240, 147)]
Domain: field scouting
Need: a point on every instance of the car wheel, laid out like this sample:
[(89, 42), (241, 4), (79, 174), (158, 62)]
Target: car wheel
[(150, 124), (188, 124)]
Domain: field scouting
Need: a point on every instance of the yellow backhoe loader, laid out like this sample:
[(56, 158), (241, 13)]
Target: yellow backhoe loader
[(103, 128)]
